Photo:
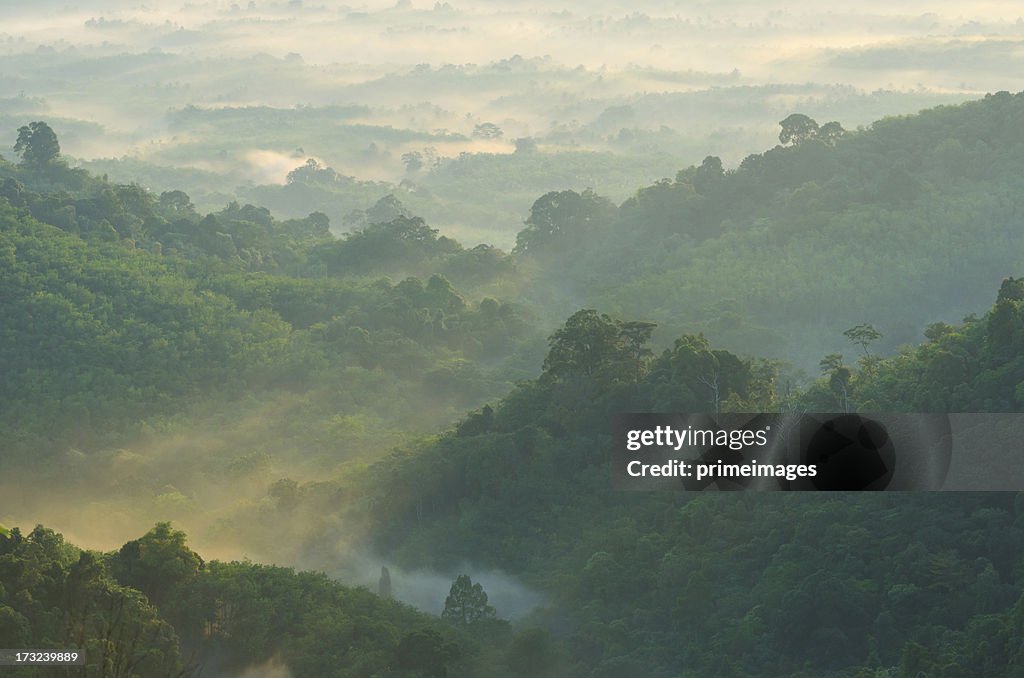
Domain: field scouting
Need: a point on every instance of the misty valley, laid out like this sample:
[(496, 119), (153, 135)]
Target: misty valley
[(310, 347)]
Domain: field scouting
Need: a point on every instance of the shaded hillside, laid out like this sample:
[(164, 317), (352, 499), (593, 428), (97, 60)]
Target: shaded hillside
[(664, 584), (155, 609), (912, 220)]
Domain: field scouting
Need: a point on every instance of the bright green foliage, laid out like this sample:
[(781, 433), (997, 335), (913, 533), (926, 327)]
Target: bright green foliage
[(157, 564), (96, 335), (124, 307)]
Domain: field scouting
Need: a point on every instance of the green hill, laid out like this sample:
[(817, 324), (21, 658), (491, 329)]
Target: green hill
[(154, 608), (250, 375), (667, 584), (911, 220)]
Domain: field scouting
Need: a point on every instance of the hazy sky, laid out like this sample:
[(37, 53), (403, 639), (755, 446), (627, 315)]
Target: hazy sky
[(113, 76), (973, 45)]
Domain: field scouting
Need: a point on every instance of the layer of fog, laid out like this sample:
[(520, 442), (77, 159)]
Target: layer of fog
[(390, 57), (683, 79), (663, 83), (427, 589), (272, 668), (242, 489), (759, 38)]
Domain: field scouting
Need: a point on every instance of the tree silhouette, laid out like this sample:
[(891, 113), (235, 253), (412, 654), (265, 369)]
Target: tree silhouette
[(384, 585), (487, 130), (588, 342), (831, 133), (37, 144), (863, 336), (797, 128), (466, 603)]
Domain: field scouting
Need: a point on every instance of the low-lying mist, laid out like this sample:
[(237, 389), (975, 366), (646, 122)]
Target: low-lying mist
[(221, 98), (426, 589), (534, 70), (472, 111)]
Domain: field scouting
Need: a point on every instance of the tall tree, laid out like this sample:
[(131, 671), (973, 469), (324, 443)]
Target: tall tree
[(708, 174), (560, 218), (384, 584), (635, 334), (466, 603), (863, 336), (156, 562), (413, 161), (586, 343), (796, 129), (831, 133), (37, 145)]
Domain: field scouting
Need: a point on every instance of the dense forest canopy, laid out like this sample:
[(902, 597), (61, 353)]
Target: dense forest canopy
[(830, 229), (803, 584), (349, 403)]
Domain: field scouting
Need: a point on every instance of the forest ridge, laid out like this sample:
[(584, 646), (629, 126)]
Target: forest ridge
[(390, 395)]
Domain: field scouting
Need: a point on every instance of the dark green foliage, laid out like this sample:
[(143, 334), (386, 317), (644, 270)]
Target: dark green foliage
[(973, 367), (425, 653), (558, 220), (234, 615), (532, 653), (466, 603), (384, 585), (592, 344), (588, 342), (708, 176), (776, 257), (119, 306), (157, 564), (487, 130), (54, 596), (797, 128), (37, 145), (230, 616), (398, 245), (670, 584)]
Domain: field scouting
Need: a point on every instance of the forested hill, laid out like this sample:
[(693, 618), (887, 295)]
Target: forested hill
[(160, 363), (634, 584), (247, 377), (123, 310), (155, 609), (663, 584), (909, 221)]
